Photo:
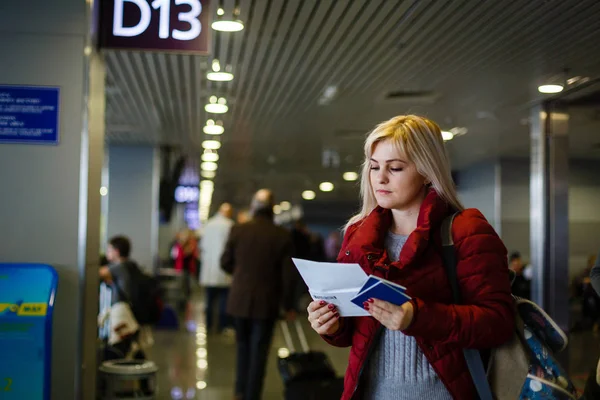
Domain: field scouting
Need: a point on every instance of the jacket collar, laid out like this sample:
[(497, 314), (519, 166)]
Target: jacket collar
[(369, 237)]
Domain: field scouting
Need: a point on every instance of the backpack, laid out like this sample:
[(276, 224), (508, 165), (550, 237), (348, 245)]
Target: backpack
[(524, 367), (146, 296)]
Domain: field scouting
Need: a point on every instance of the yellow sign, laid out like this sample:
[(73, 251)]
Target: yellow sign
[(25, 309)]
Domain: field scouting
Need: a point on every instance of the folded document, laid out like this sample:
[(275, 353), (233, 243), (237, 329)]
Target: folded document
[(347, 286), (334, 283)]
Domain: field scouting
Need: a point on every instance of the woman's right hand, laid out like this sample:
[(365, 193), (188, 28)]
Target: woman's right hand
[(323, 317)]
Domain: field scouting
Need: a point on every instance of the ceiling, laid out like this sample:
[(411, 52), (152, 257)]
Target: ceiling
[(474, 64)]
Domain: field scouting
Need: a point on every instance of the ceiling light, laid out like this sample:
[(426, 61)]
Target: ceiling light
[(285, 205), (283, 352), (447, 135), (201, 385), (211, 145), (219, 76), (459, 131), (328, 95), (308, 195), (220, 11), (350, 176), (208, 174), (550, 88), (216, 106), (208, 166), (207, 184), (227, 26), (210, 157), (277, 209), (214, 129), (103, 191), (326, 186)]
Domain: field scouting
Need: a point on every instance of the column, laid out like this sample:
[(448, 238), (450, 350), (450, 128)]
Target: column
[(549, 211), (133, 184), (49, 192)]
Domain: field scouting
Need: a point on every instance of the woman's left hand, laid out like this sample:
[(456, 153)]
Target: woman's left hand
[(393, 317)]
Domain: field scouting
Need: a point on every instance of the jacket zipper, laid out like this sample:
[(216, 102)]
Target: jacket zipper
[(369, 353)]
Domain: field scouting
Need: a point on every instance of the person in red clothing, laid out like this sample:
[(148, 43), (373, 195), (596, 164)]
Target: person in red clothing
[(185, 253), (415, 350)]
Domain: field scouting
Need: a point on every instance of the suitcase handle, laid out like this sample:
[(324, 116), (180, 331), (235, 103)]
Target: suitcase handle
[(287, 336)]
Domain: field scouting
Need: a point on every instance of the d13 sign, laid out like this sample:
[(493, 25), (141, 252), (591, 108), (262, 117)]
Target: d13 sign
[(161, 25)]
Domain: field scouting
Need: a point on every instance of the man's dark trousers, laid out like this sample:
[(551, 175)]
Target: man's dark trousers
[(253, 338)]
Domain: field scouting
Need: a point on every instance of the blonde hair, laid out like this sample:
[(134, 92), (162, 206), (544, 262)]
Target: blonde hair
[(420, 140)]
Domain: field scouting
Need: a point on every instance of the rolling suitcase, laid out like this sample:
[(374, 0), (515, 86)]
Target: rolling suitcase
[(307, 375)]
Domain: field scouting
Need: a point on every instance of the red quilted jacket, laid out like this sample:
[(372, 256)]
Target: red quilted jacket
[(441, 328)]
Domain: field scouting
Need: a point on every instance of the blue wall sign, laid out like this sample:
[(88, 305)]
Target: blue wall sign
[(27, 294), (29, 114)]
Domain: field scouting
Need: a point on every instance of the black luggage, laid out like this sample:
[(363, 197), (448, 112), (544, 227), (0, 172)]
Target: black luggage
[(308, 375), (323, 389)]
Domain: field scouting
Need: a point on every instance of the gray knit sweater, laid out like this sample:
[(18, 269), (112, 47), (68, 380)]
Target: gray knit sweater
[(397, 368)]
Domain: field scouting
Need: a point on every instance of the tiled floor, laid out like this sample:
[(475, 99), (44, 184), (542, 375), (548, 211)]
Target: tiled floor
[(201, 366)]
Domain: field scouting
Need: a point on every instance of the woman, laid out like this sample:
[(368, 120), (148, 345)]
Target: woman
[(185, 253), (414, 351)]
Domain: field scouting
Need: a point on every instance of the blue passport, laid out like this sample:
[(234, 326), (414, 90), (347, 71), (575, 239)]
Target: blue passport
[(381, 289), (375, 279)]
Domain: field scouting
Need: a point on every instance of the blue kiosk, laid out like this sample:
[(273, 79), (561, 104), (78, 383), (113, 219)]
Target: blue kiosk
[(27, 293)]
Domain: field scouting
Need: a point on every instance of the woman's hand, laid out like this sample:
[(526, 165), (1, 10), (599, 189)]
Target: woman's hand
[(323, 317), (393, 317)]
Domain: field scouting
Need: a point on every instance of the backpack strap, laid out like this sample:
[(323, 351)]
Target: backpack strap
[(472, 356)]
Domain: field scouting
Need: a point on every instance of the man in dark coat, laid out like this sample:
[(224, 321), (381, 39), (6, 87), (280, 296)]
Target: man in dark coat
[(258, 255)]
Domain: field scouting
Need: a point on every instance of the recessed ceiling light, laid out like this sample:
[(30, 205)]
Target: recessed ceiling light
[(210, 157), (208, 174), (208, 166), (206, 184), (447, 135), (308, 195), (227, 26), (285, 205), (219, 76), (220, 11), (350, 176), (103, 191), (328, 95), (216, 106), (326, 186), (550, 88), (211, 145), (277, 209), (213, 129)]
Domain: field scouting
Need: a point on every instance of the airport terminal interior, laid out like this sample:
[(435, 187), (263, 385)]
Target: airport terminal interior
[(143, 132)]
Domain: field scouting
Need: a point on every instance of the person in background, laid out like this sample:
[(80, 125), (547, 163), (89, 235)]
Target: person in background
[(119, 275), (521, 286), (243, 216), (592, 386), (583, 292), (317, 247), (185, 253), (333, 243), (301, 240), (258, 255), (415, 351), (213, 278)]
